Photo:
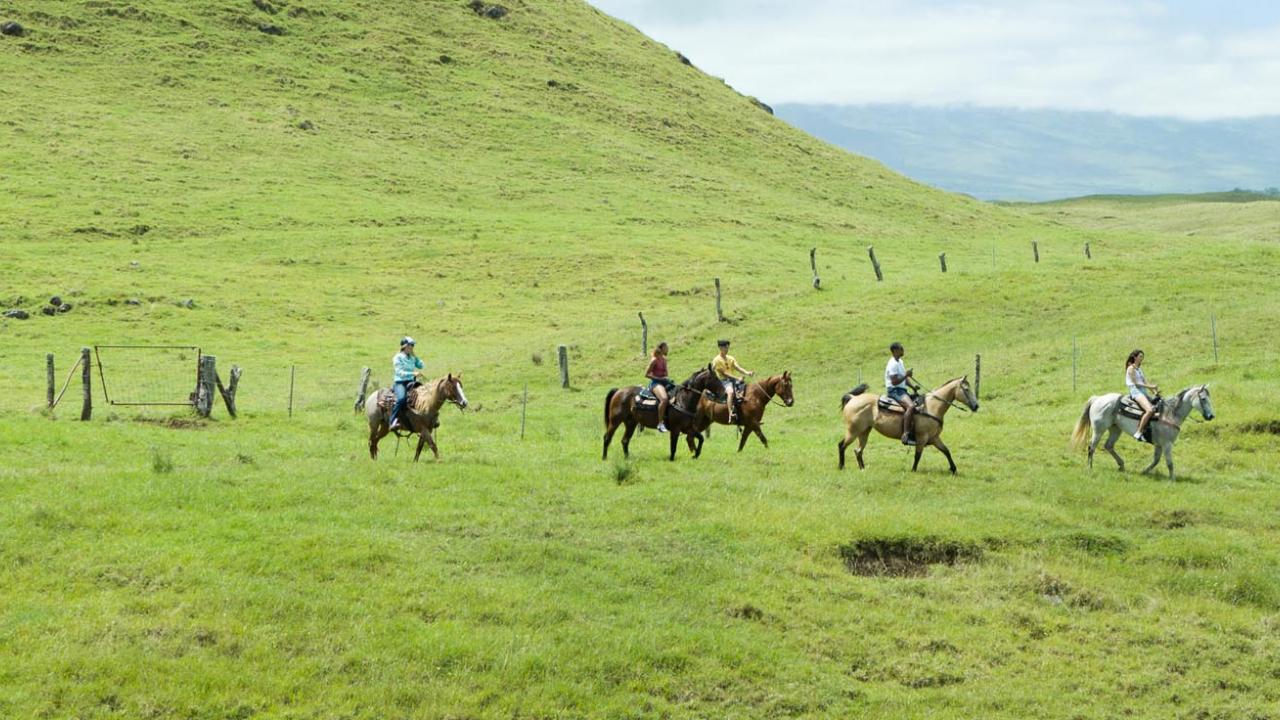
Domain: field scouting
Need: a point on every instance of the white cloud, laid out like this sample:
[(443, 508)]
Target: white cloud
[(1137, 57)]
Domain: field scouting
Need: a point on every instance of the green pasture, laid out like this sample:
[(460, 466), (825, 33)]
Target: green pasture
[(152, 566)]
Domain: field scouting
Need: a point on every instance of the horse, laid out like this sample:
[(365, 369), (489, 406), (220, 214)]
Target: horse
[(862, 412), (755, 399), (1101, 412), (685, 415), (422, 410)]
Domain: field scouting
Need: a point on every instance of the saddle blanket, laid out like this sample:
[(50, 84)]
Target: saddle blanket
[(888, 404), (1132, 410)]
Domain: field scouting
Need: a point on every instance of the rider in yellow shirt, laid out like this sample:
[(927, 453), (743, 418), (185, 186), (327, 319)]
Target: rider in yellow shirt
[(724, 365)]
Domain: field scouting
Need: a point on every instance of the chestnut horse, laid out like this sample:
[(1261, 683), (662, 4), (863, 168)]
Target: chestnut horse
[(685, 414), (422, 410), (755, 399), (861, 413)]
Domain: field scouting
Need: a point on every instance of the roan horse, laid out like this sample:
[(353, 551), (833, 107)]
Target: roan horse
[(685, 415), (1102, 414), (422, 410), (755, 399), (862, 412)]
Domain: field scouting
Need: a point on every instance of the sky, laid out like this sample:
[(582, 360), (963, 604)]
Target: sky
[(1189, 59)]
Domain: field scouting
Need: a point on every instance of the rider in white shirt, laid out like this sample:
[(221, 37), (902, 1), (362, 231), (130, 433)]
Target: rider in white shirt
[(897, 386), (1136, 381)]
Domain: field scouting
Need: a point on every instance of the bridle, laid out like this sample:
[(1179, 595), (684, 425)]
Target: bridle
[(963, 407), (447, 398)]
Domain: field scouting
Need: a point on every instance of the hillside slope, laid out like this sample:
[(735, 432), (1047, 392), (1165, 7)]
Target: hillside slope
[(317, 194)]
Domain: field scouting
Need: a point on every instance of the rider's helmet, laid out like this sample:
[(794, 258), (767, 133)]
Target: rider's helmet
[(406, 340)]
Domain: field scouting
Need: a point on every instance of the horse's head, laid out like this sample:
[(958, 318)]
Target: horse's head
[(783, 389), (1200, 396), (964, 393), (452, 389)]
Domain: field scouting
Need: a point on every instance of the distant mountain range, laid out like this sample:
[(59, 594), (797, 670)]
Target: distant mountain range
[(1008, 154)]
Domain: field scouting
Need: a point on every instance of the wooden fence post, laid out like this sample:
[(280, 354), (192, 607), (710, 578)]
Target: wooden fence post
[(204, 390), (719, 314), (1074, 354), (48, 371), (644, 336), (977, 376), (813, 263), (86, 376), (875, 263), (228, 393), (293, 372), (563, 353), (363, 390), (524, 404), (1213, 327), (1035, 249), (1087, 255), (942, 259)]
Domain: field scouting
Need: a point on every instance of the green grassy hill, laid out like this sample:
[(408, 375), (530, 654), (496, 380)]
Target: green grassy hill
[(499, 187)]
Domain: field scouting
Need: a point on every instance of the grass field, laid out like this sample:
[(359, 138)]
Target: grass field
[(263, 567)]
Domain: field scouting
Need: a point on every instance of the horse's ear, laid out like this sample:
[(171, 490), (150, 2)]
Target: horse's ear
[(449, 377), (786, 374), (458, 377)]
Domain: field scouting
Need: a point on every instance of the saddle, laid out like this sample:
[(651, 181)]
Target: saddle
[(888, 404), (1131, 409), (387, 400), (739, 392)]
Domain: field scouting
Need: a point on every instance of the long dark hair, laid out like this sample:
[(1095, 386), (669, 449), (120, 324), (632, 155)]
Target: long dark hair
[(1132, 356)]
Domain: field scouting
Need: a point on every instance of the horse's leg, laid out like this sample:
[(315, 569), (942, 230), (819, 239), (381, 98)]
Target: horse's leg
[(862, 444), (675, 443), (1093, 442), (1110, 446), (375, 436), (919, 452), (422, 440), (1168, 460), (431, 442), (763, 440), (937, 442), (698, 453), (626, 439), (1155, 461), (743, 434), (608, 438)]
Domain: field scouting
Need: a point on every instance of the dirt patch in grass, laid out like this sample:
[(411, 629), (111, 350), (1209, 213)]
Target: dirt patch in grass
[(175, 423), (905, 556), (1262, 427), (1173, 519)]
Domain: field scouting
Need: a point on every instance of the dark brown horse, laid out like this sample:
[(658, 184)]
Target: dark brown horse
[(686, 414), (755, 399), (422, 410)]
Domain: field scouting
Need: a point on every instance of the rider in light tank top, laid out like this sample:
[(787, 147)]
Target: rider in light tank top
[(1136, 381)]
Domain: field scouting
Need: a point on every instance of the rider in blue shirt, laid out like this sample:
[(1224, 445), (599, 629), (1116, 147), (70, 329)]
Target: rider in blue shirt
[(406, 367)]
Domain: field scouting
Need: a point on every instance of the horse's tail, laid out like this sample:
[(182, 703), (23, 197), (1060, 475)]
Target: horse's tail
[(856, 391), (1080, 437), (608, 399)]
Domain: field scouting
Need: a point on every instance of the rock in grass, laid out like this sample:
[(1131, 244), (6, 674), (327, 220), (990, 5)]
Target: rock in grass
[(684, 60), (55, 301), (271, 29), (306, 125), (13, 29), (495, 12), (64, 308), (48, 310), (445, 59), (188, 303), (17, 314), (761, 105), (133, 301), (265, 6)]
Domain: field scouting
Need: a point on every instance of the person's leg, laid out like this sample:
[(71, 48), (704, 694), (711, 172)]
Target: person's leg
[(908, 409), (660, 392), (400, 392), (1147, 411), (728, 394)]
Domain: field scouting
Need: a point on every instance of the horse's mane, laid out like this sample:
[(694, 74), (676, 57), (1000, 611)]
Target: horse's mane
[(426, 395)]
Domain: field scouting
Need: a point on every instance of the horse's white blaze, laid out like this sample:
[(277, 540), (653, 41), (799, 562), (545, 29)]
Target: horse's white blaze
[(462, 397)]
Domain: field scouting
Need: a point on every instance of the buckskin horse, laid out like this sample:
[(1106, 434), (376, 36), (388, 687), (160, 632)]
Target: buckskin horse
[(422, 411), (686, 415), (755, 399), (863, 412), (1102, 413)]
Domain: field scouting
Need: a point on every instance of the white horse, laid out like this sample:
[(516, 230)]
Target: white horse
[(1102, 413)]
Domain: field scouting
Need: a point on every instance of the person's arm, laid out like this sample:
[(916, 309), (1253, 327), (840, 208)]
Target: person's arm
[(648, 372), (741, 369)]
